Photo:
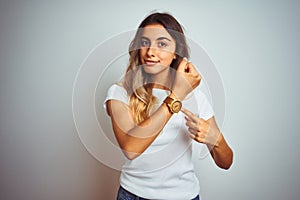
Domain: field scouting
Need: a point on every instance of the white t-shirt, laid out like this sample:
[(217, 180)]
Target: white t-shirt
[(165, 170)]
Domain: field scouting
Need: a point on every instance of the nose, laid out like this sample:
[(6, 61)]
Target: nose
[(151, 51)]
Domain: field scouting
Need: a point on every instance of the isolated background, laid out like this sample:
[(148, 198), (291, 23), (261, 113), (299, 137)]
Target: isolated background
[(254, 44)]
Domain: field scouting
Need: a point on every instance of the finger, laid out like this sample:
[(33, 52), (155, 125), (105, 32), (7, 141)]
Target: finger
[(191, 125), (192, 136), (192, 131), (188, 119), (197, 137), (191, 68), (202, 121), (187, 112), (196, 127), (197, 134), (183, 64), (190, 115), (196, 130)]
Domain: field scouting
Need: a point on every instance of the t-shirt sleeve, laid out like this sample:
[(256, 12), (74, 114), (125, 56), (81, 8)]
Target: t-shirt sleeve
[(204, 107), (116, 92)]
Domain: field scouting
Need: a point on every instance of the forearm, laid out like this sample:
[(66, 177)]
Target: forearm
[(221, 153), (137, 139)]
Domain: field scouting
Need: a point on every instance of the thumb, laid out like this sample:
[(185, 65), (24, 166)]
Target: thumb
[(183, 64), (191, 68)]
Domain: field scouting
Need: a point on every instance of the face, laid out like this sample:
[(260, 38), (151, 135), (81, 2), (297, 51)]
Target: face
[(157, 49)]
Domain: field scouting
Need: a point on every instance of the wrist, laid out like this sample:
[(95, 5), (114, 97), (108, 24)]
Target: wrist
[(173, 95), (219, 140), (167, 109), (173, 103), (177, 95)]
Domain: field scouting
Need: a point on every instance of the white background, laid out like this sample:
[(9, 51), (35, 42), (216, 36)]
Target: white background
[(254, 44)]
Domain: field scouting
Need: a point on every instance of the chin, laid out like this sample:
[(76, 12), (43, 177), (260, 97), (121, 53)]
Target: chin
[(154, 70), (150, 72)]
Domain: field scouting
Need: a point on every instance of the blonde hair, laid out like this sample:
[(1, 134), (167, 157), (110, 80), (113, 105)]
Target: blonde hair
[(140, 92), (136, 82)]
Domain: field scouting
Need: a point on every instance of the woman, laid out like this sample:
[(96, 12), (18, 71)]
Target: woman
[(152, 119)]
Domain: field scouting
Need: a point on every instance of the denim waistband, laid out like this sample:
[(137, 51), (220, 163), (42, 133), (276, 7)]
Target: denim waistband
[(126, 195)]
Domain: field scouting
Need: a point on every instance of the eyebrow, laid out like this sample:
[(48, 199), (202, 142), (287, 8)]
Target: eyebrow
[(160, 38), (163, 38)]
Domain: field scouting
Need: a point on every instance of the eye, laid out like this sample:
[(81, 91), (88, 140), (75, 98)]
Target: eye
[(145, 43), (162, 44)]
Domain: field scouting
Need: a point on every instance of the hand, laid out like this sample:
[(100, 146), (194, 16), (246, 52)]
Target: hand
[(187, 79), (203, 131)]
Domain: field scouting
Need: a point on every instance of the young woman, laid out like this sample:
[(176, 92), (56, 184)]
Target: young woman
[(156, 113)]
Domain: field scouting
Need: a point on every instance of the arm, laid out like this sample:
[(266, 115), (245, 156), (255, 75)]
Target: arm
[(135, 139), (221, 152), (207, 132)]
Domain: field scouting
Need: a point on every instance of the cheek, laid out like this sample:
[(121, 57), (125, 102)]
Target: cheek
[(142, 52), (167, 57)]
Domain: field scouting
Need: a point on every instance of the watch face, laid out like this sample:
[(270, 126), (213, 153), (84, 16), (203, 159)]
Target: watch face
[(176, 106)]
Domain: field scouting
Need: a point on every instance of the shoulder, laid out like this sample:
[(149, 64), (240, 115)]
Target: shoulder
[(117, 88), (117, 92)]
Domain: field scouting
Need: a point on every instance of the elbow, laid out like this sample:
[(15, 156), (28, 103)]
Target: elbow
[(130, 155), (227, 163), (225, 166), (130, 151)]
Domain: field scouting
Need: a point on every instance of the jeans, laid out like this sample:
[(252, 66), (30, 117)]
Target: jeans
[(125, 195)]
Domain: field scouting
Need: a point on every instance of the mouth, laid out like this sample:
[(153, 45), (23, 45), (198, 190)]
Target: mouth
[(150, 62)]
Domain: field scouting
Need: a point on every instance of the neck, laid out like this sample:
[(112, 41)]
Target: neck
[(162, 81), (159, 86)]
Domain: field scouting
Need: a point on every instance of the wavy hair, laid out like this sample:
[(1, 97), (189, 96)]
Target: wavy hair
[(135, 80)]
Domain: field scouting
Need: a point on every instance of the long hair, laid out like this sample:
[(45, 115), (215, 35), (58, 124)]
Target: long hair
[(135, 80)]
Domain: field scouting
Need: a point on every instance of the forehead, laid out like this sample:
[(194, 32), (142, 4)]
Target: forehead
[(155, 31)]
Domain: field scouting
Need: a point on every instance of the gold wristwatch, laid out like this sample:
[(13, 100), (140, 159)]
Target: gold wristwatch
[(173, 104)]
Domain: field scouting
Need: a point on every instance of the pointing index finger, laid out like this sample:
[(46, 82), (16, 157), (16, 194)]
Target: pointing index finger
[(189, 114)]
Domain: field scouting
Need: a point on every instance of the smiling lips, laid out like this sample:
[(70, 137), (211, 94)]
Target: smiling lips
[(151, 62)]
